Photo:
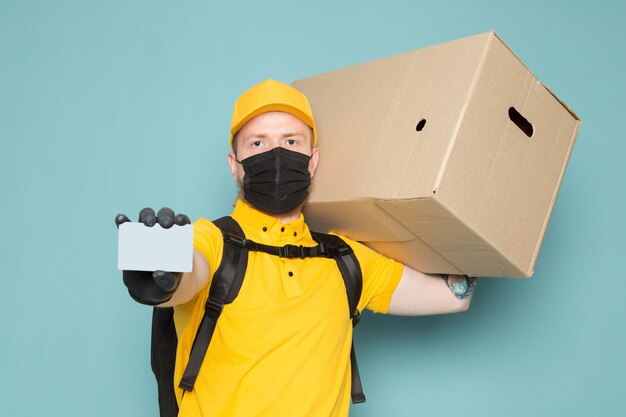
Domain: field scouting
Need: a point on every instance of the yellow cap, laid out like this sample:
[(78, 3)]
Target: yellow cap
[(271, 95)]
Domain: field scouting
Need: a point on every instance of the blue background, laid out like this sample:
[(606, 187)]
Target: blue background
[(110, 106)]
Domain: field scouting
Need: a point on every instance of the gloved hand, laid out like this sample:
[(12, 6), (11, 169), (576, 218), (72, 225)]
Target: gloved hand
[(153, 287), (462, 286)]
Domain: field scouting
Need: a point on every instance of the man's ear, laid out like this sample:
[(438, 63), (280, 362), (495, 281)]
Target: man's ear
[(315, 157), (232, 162)]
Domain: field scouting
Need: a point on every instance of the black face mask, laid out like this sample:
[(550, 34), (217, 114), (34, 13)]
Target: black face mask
[(276, 181)]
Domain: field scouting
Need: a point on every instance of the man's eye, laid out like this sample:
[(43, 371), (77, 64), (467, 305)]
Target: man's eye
[(256, 143), (291, 141)]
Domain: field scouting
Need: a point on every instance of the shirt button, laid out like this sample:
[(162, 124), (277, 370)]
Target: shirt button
[(282, 229), (295, 234), (265, 229), (290, 273)]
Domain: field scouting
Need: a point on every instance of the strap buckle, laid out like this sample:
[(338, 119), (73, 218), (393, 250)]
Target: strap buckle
[(291, 251), (337, 252), (213, 308), (234, 239)]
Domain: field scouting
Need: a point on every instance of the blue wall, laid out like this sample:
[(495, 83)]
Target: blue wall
[(109, 106)]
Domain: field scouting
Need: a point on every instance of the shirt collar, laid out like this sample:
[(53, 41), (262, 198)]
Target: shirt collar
[(245, 214)]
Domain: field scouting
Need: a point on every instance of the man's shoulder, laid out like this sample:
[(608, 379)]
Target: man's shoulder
[(206, 229), (203, 222)]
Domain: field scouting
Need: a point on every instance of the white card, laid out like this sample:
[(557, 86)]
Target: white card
[(143, 248)]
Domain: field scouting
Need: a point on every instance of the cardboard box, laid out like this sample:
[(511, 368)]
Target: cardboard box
[(448, 158)]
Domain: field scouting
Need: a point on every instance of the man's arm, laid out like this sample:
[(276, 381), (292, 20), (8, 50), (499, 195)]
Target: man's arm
[(420, 294), (191, 282)]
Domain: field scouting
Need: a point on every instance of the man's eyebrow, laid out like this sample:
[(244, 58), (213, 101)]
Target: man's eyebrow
[(295, 133), (256, 136)]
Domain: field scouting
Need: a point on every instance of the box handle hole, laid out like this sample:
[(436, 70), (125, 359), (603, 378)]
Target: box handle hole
[(420, 125), (521, 122)]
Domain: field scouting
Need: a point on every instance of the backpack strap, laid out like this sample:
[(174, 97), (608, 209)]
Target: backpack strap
[(163, 357), (225, 286), (353, 279)]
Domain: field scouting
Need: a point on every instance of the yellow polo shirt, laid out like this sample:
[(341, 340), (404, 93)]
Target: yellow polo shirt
[(282, 348)]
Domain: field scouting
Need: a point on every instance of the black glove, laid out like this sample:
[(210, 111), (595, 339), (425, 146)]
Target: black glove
[(147, 287)]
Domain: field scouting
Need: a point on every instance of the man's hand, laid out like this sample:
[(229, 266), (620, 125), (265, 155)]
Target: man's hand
[(153, 287)]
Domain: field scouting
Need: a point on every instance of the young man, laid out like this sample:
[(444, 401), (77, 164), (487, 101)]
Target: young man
[(282, 348)]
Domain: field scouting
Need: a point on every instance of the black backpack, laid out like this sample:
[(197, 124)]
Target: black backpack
[(225, 286)]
